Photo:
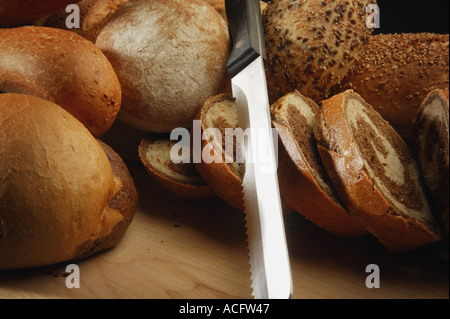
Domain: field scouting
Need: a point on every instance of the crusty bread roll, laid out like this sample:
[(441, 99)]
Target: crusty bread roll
[(64, 68), (312, 44), (180, 178), (304, 183), (61, 198), (177, 59), (14, 13), (94, 14), (223, 173), (395, 73), (375, 174), (430, 144)]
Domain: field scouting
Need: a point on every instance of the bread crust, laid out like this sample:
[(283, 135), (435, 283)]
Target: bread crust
[(15, 13), (345, 167), (94, 14), (395, 72), (196, 191), (64, 68), (299, 186), (61, 198)]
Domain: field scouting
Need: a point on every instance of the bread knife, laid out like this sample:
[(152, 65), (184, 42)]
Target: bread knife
[(269, 259)]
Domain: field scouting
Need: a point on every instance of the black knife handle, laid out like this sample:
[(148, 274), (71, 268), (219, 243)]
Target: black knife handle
[(247, 34)]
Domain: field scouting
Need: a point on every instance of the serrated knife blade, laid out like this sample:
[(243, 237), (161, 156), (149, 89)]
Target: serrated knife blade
[(269, 258)]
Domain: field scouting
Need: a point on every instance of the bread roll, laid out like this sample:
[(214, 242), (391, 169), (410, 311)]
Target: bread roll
[(94, 14), (64, 68), (395, 73), (14, 13), (375, 174), (304, 183), (430, 144), (182, 178), (222, 173), (175, 61), (61, 198), (312, 44)]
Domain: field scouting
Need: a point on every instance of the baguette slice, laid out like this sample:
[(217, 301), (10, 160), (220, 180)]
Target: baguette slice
[(375, 173), (430, 143), (224, 176), (182, 179), (304, 183)]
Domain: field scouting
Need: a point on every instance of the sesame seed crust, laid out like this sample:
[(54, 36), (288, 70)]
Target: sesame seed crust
[(312, 44)]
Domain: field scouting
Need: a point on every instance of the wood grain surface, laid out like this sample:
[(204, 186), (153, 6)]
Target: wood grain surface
[(181, 249)]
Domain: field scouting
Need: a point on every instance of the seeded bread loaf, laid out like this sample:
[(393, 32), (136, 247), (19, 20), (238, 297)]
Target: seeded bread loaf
[(304, 183), (64, 68), (375, 174), (177, 59), (430, 144), (180, 178), (395, 72), (63, 194), (312, 44)]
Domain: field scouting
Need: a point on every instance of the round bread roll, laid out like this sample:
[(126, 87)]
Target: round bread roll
[(175, 60), (94, 14), (14, 13), (395, 73), (430, 144), (182, 179), (61, 198), (375, 174), (64, 68), (304, 183), (311, 45)]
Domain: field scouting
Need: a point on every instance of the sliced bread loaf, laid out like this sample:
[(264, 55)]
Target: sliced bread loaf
[(430, 144), (182, 178), (304, 183), (375, 174)]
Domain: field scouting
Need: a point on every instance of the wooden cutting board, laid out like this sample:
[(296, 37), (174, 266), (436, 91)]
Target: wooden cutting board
[(177, 248)]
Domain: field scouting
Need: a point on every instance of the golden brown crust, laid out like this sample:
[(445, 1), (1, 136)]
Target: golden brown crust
[(64, 68), (395, 72), (299, 186), (14, 13), (356, 189), (56, 183), (193, 190), (225, 183), (124, 202), (311, 45)]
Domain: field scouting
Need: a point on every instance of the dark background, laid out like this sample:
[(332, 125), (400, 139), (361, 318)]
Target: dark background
[(401, 16)]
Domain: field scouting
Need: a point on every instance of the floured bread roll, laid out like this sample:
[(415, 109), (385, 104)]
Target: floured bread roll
[(375, 174), (304, 183), (180, 178), (430, 143)]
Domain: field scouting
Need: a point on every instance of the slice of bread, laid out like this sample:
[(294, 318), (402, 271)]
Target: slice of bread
[(430, 144), (375, 174), (223, 174), (182, 179), (304, 183)]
